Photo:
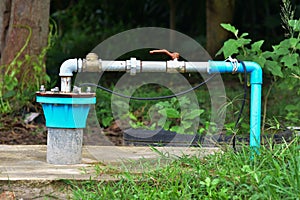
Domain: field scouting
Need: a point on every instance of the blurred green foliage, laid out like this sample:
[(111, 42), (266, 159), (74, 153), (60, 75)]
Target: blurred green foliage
[(82, 24)]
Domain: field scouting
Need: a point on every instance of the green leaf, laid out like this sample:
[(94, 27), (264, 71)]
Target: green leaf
[(161, 122), (288, 43), (132, 117), (244, 35), (290, 60), (293, 42), (230, 28), (230, 47), (166, 125), (106, 121), (169, 112), (242, 42), (19, 63), (260, 60), (267, 54), (257, 45), (275, 47), (152, 127), (163, 104), (47, 78), (187, 124), (177, 129), (193, 114), (274, 68), (282, 51), (174, 100), (27, 57), (10, 82), (295, 24)]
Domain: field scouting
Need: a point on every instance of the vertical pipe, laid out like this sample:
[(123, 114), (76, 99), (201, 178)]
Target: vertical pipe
[(255, 117), (255, 99), (255, 106)]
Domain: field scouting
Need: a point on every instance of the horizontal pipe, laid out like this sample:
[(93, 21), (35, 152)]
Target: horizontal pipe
[(227, 67), (196, 67), (117, 66), (155, 66), (75, 65)]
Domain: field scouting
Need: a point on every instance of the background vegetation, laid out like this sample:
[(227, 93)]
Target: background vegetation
[(78, 33), (265, 35)]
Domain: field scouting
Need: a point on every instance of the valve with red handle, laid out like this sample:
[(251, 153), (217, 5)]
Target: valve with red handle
[(174, 55)]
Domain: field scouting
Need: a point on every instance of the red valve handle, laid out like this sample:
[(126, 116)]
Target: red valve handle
[(173, 55)]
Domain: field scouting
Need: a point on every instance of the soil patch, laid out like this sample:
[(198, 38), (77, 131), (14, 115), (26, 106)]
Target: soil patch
[(14, 131)]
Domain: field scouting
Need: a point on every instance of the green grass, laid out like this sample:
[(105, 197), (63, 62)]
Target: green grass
[(228, 175)]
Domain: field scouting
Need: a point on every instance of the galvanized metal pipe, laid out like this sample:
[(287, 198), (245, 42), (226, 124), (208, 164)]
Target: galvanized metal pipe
[(76, 65)]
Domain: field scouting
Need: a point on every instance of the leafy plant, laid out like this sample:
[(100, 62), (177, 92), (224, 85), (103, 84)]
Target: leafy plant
[(281, 63), (16, 92), (176, 115), (103, 110)]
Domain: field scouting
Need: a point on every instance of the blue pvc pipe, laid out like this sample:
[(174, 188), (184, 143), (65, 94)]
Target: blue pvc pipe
[(255, 100)]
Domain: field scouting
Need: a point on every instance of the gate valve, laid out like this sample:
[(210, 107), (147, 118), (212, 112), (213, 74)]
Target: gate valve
[(173, 55)]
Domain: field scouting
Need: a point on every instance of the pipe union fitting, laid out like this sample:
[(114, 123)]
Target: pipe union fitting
[(133, 66)]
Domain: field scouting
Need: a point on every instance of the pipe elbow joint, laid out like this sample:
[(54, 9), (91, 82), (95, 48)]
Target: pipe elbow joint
[(256, 72), (69, 66)]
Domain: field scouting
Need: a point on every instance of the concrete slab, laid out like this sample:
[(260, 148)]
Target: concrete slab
[(28, 162)]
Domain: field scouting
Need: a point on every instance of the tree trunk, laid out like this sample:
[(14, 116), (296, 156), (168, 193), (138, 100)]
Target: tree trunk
[(24, 28), (4, 22), (217, 12), (172, 20)]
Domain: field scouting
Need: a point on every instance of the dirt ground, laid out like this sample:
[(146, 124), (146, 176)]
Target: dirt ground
[(14, 131)]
